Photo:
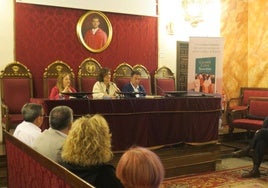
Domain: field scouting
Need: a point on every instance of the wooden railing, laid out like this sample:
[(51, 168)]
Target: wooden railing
[(28, 168)]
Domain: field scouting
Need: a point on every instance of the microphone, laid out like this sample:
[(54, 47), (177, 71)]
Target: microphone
[(161, 89)]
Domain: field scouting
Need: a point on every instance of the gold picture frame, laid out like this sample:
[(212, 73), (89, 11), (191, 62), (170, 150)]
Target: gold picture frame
[(94, 31)]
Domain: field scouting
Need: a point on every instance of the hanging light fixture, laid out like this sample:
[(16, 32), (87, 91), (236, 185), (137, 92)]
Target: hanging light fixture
[(193, 11)]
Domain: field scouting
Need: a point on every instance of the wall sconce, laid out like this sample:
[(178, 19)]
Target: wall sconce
[(170, 28), (193, 11)]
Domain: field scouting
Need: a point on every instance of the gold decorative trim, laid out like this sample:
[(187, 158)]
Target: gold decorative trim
[(162, 112), (123, 70), (202, 143)]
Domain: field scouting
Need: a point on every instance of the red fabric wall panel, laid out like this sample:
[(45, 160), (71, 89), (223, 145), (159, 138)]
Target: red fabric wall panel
[(44, 34)]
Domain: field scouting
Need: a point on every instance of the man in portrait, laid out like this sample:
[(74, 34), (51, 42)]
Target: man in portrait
[(95, 37)]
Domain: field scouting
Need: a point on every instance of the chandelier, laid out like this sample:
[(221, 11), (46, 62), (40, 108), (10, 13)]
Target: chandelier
[(194, 11)]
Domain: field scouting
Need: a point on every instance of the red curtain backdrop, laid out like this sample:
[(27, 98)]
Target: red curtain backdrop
[(45, 34)]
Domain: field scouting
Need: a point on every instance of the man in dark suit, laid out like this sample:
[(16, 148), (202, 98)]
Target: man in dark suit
[(259, 145), (133, 88)]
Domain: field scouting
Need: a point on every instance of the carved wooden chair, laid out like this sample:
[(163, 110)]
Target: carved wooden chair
[(236, 105), (122, 74), (145, 78), (164, 80), (16, 90), (87, 74), (251, 118), (51, 74)]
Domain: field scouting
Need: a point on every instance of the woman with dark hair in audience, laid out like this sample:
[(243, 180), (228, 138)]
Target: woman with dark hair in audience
[(63, 85), (104, 88), (87, 151), (140, 168)]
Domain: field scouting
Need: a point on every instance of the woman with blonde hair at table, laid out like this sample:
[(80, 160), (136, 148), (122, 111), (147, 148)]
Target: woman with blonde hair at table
[(87, 151), (140, 168), (63, 85)]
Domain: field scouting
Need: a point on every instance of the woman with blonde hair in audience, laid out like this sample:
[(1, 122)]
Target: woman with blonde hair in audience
[(87, 151), (140, 168), (63, 85)]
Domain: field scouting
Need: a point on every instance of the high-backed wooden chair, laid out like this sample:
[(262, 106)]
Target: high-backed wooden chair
[(51, 74), (87, 74), (16, 90), (122, 74), (145, 78), (164, 80)]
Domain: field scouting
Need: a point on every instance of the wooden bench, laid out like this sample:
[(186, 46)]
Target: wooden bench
[(28, 168), (235, 105), (251, 118)]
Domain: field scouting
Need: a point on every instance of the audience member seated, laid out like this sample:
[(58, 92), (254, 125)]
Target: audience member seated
[(50, 142), (104, 88), (133, 88), (28, 130), (87, 151), (259, 145), (139, 167), (63, 85)]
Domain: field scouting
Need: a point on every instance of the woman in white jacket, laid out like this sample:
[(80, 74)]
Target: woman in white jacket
[(104, 88)]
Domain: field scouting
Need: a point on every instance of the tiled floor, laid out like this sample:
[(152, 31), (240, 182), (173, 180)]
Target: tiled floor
[(239, 140), (229, 163)]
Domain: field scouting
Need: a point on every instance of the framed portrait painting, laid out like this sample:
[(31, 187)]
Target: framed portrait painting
[(94, 31)]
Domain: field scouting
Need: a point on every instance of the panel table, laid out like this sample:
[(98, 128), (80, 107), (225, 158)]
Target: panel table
[(152, 122)]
